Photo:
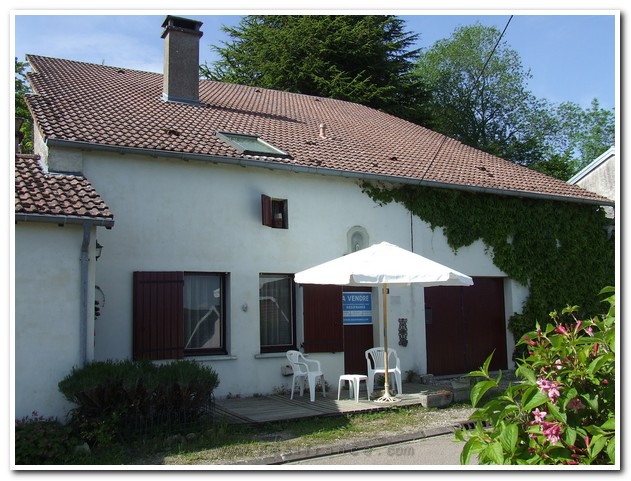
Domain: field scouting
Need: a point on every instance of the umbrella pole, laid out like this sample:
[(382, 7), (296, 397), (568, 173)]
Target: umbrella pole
[(387, 397)]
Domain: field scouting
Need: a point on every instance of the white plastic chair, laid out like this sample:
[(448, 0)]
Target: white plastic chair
[(375, 358), (305, 369)]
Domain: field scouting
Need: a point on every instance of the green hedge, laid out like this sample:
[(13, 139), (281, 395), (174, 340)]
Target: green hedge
[(116, 398)]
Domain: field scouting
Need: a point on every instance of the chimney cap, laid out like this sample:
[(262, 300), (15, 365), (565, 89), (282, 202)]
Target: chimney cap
[(171, 22)]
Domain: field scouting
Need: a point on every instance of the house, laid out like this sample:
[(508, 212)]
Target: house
[(599, 176), (221, 193), (57, 217)]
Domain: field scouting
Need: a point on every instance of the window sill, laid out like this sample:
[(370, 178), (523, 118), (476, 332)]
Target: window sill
[(218, 357), (271, 355)]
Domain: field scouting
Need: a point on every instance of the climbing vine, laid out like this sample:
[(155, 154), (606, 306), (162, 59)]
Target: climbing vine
[(560, 250)]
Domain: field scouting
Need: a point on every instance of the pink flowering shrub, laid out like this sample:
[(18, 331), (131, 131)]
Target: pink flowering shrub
[(561, 410)]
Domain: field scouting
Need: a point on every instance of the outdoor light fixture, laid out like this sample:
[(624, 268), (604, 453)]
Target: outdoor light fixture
[(99, 249)]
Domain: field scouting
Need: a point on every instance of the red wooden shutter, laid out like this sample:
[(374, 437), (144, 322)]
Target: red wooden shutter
[(158, 315), (323, 327), (266, 210)]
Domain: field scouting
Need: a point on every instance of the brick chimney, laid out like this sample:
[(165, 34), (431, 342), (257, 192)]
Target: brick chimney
[(181, 59)]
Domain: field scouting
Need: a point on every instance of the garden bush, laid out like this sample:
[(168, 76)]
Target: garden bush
[(562, 409), (115, 398), (40, 440)]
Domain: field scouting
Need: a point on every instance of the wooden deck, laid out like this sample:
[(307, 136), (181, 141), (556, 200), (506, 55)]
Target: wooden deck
[(278, 407)]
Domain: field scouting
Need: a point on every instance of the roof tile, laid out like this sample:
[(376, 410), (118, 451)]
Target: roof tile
[(119, 107), (54, 194)]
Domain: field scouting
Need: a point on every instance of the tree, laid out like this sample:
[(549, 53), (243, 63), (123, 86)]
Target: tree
[(359, 58), (21, 110), (581, 135), (479, 96)]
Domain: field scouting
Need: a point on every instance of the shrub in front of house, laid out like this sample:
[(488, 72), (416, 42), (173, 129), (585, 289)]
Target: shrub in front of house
[(117, 399), (562, 409), (40, 440)]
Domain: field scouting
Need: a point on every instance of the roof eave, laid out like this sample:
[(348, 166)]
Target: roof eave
[(62, 220), (249, 162)]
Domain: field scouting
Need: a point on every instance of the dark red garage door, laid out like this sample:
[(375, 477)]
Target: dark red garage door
[(464, 325)]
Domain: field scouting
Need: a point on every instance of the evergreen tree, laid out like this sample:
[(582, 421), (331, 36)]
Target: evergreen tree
[(359, 58)]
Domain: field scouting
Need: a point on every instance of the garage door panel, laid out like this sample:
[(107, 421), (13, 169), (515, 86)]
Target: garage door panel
[(467, 324)]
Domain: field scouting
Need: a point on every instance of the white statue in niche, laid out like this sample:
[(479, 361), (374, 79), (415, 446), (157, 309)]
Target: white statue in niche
[(357, 239)]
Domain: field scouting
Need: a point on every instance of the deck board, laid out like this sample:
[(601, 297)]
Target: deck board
[(279, 407)]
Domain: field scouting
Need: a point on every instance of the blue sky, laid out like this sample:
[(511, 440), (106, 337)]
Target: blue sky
[(571, 54)]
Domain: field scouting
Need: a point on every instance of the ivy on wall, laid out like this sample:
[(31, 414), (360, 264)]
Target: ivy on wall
[(560, 250)]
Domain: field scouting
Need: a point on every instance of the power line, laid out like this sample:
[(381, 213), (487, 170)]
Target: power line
[(499, 39)]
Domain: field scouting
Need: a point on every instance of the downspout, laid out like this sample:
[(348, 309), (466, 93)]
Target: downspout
[(83, 315)]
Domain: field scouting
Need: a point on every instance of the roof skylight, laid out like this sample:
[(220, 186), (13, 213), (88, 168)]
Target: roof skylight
[(250, 144)]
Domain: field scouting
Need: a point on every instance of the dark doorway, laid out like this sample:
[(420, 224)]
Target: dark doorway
[(324, 330), (464, 325), (357, 340)]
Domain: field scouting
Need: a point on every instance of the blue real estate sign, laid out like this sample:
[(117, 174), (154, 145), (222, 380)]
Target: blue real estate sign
[(357, 307)]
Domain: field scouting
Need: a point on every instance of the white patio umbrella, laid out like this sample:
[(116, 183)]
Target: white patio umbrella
[(380, 265)]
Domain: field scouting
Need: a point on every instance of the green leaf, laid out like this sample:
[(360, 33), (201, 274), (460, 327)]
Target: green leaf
[(487, 363), (508, 438), (595, 431), (479, 390), (609, 424), (597, 444), (473, 446), (570, 436), (494, 453), (597, 364), (527, 373), (555, 413), (591, 402), (611, 450), (537, 400)]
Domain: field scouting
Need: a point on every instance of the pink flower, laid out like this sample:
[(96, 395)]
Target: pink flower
[(552, 432), (575, 404), (578, 326), (558, 365), (539, 416), (530, 341), (589, 331), (550, 388), (560, 329)]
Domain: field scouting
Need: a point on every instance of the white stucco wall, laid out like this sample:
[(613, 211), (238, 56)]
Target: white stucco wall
[(47, 315), (193, 216)]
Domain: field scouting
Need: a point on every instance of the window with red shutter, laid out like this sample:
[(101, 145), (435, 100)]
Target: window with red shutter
[(274, 212), (158, 315), (323, 327), (178, 314)]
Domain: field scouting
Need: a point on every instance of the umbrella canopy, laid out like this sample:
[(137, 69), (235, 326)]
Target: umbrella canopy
[(380, 265)]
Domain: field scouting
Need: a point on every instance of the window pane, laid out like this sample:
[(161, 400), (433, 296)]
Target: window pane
[(203, 311), (249, 144), (276, 304)]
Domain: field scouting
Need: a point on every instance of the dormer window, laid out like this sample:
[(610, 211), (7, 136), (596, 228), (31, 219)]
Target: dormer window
[(250, 145)]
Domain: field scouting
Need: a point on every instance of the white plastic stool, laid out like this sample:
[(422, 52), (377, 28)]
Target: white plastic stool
[(353, 380)]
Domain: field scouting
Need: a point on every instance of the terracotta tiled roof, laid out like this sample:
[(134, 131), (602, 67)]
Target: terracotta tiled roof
[(81, 102), (56, 195)]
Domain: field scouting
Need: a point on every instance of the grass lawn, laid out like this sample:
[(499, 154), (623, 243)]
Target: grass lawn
[(222, 443)]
